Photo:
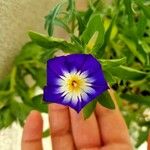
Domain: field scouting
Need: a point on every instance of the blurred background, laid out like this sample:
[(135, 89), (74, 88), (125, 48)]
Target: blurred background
[(17, 17)]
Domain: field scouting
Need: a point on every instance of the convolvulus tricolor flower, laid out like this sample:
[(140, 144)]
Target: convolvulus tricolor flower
[(74, 80)]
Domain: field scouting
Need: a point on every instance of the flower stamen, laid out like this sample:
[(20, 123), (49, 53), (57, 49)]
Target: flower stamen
[(74, 83)]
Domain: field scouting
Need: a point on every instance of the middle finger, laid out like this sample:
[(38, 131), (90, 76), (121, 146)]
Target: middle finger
[(85, 132)]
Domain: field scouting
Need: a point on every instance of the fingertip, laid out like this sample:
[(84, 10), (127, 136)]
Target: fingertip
[(34, 114), (55, 106), (33, 127)]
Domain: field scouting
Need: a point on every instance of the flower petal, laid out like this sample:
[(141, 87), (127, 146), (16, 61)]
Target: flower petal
[(55, 68), (92, 65), (75, 61), (83, 68)]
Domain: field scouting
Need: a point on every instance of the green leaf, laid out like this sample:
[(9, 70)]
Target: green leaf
[(107, 37), (77, 42), (50, 18), (30, 51), (144, 100), (46, 133), (7, 117), (143, 136), (145, 46), (40, 77), (144, 8), (108, 76), (91, 43), (47, 54), (71, 5), (1, 121), (21, 89), (81, 23), (133, 48), (20, 111), (51, 42), (128, 6), (105, 100), (109, 63), (94, 25), (38, 104), (62, 24), (146, 11), (87, 15), (3, 101), (141, 26), (4, 84), (89, 108), (127, 73)]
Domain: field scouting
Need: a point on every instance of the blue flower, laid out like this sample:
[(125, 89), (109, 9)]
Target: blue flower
[(74, 80)]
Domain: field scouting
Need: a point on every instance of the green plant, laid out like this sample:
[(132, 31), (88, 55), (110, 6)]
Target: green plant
[(118, 35)]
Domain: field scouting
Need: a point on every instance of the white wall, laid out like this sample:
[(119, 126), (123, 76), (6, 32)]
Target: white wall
[(16, 18)]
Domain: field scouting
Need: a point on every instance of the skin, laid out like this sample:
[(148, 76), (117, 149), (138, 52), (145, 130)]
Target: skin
[(149, 142), (104, 130)]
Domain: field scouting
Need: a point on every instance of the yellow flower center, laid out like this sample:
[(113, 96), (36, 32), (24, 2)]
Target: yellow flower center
[(75, 86), (75, 83)]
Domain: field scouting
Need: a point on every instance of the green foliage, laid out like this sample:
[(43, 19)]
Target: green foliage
[(53, 43), (145, 100), (16, 110), (106, 100), (142, 136), (94, 25), (46, 133), (89, 108), (127, 73), (111, 63), (16, 94), (50, 18), (38, 104), (118, 35)]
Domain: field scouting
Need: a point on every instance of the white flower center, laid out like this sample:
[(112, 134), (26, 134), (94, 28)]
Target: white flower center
[(75, 86)]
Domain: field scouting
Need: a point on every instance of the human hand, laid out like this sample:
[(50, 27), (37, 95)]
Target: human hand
[(149, 142), (104, 130)]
